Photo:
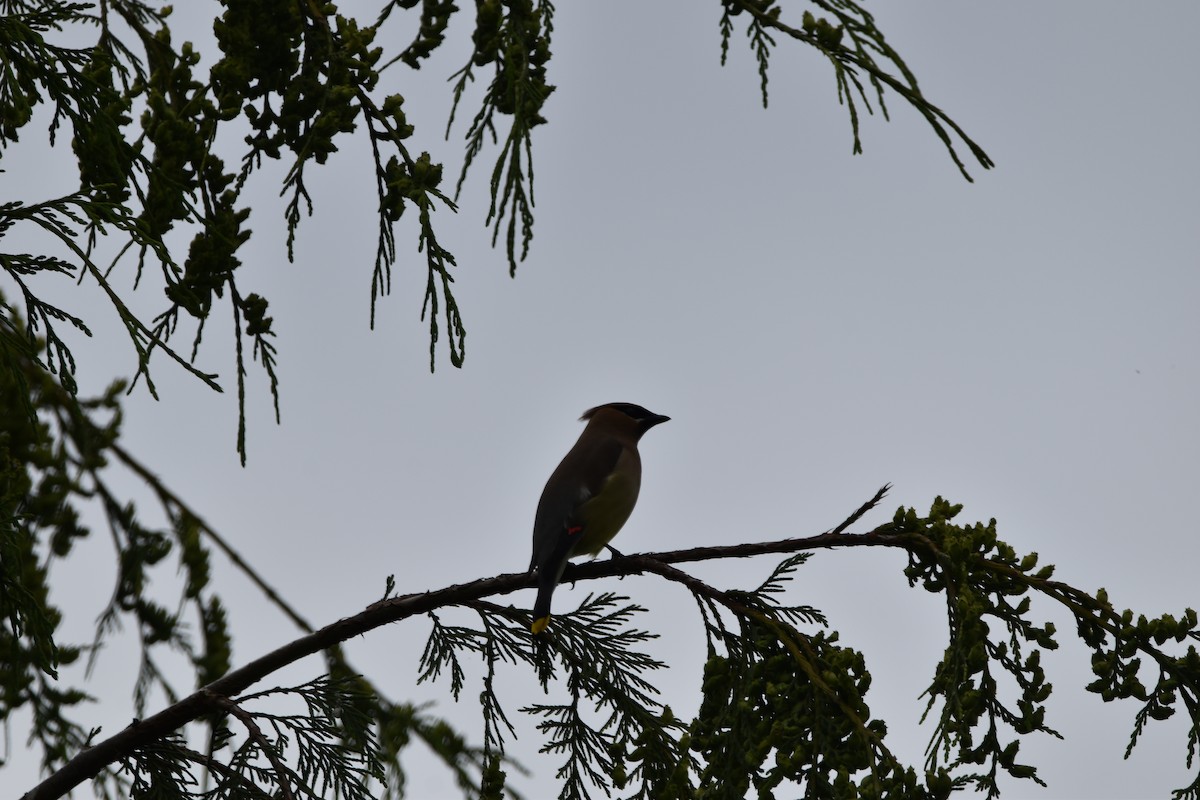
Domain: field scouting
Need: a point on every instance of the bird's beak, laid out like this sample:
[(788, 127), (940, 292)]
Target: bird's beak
[(657, 419)]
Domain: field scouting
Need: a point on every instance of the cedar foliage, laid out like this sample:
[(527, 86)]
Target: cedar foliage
[(783, 701)]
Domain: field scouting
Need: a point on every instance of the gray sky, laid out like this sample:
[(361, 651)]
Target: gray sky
[(816, 324)]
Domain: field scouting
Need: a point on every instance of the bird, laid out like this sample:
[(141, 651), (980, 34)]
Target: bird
[(589, 496)]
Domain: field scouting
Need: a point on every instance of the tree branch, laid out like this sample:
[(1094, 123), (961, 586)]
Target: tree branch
[(170, 500), (207, 700)]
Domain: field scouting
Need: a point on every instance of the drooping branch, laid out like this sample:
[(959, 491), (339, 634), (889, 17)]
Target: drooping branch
[(854, 57)]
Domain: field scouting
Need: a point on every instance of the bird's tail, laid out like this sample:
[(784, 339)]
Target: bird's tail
[(550, 568), (541, 606)]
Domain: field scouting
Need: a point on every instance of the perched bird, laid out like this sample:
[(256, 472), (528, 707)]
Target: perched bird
[(589, 496)]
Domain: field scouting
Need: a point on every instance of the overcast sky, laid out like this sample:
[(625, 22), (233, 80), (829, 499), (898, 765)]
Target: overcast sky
[(815, 323)]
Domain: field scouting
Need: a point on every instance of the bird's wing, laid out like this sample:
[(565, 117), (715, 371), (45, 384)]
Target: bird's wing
[(599, 463), (590, 463)]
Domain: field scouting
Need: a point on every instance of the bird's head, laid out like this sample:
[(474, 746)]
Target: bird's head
[(641, 418)]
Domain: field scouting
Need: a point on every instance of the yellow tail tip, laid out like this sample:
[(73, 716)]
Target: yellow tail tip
[(540, 624)]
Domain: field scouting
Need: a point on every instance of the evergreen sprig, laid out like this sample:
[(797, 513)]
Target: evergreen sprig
[(783, 708), (297, 754), (845, 33), (613, 717), (980, 575), (514, 37), (974, 723), (502, 638), (613, 729)]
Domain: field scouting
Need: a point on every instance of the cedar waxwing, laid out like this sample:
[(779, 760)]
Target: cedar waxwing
[(589, 496)]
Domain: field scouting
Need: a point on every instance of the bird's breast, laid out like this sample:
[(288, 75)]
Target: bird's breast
[(604, 514)]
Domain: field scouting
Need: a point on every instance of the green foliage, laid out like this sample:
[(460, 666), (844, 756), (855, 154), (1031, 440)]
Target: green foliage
[(295, 81), (513, 36), (37, 71), (784, 710), (611, 730), (323, 738), (63, 218), (783, 705), (55, 471), (435, 18), (973, 721), (985, 582), (53, 475), (301, 74), (18, 342), (311, 737), (24, 593), (393, 728), (34, 517), (858, 54)]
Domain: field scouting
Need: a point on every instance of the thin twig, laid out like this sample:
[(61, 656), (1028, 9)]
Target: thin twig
[(282, 772)]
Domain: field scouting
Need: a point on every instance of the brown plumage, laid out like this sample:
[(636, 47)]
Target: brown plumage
[(589, 496)]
